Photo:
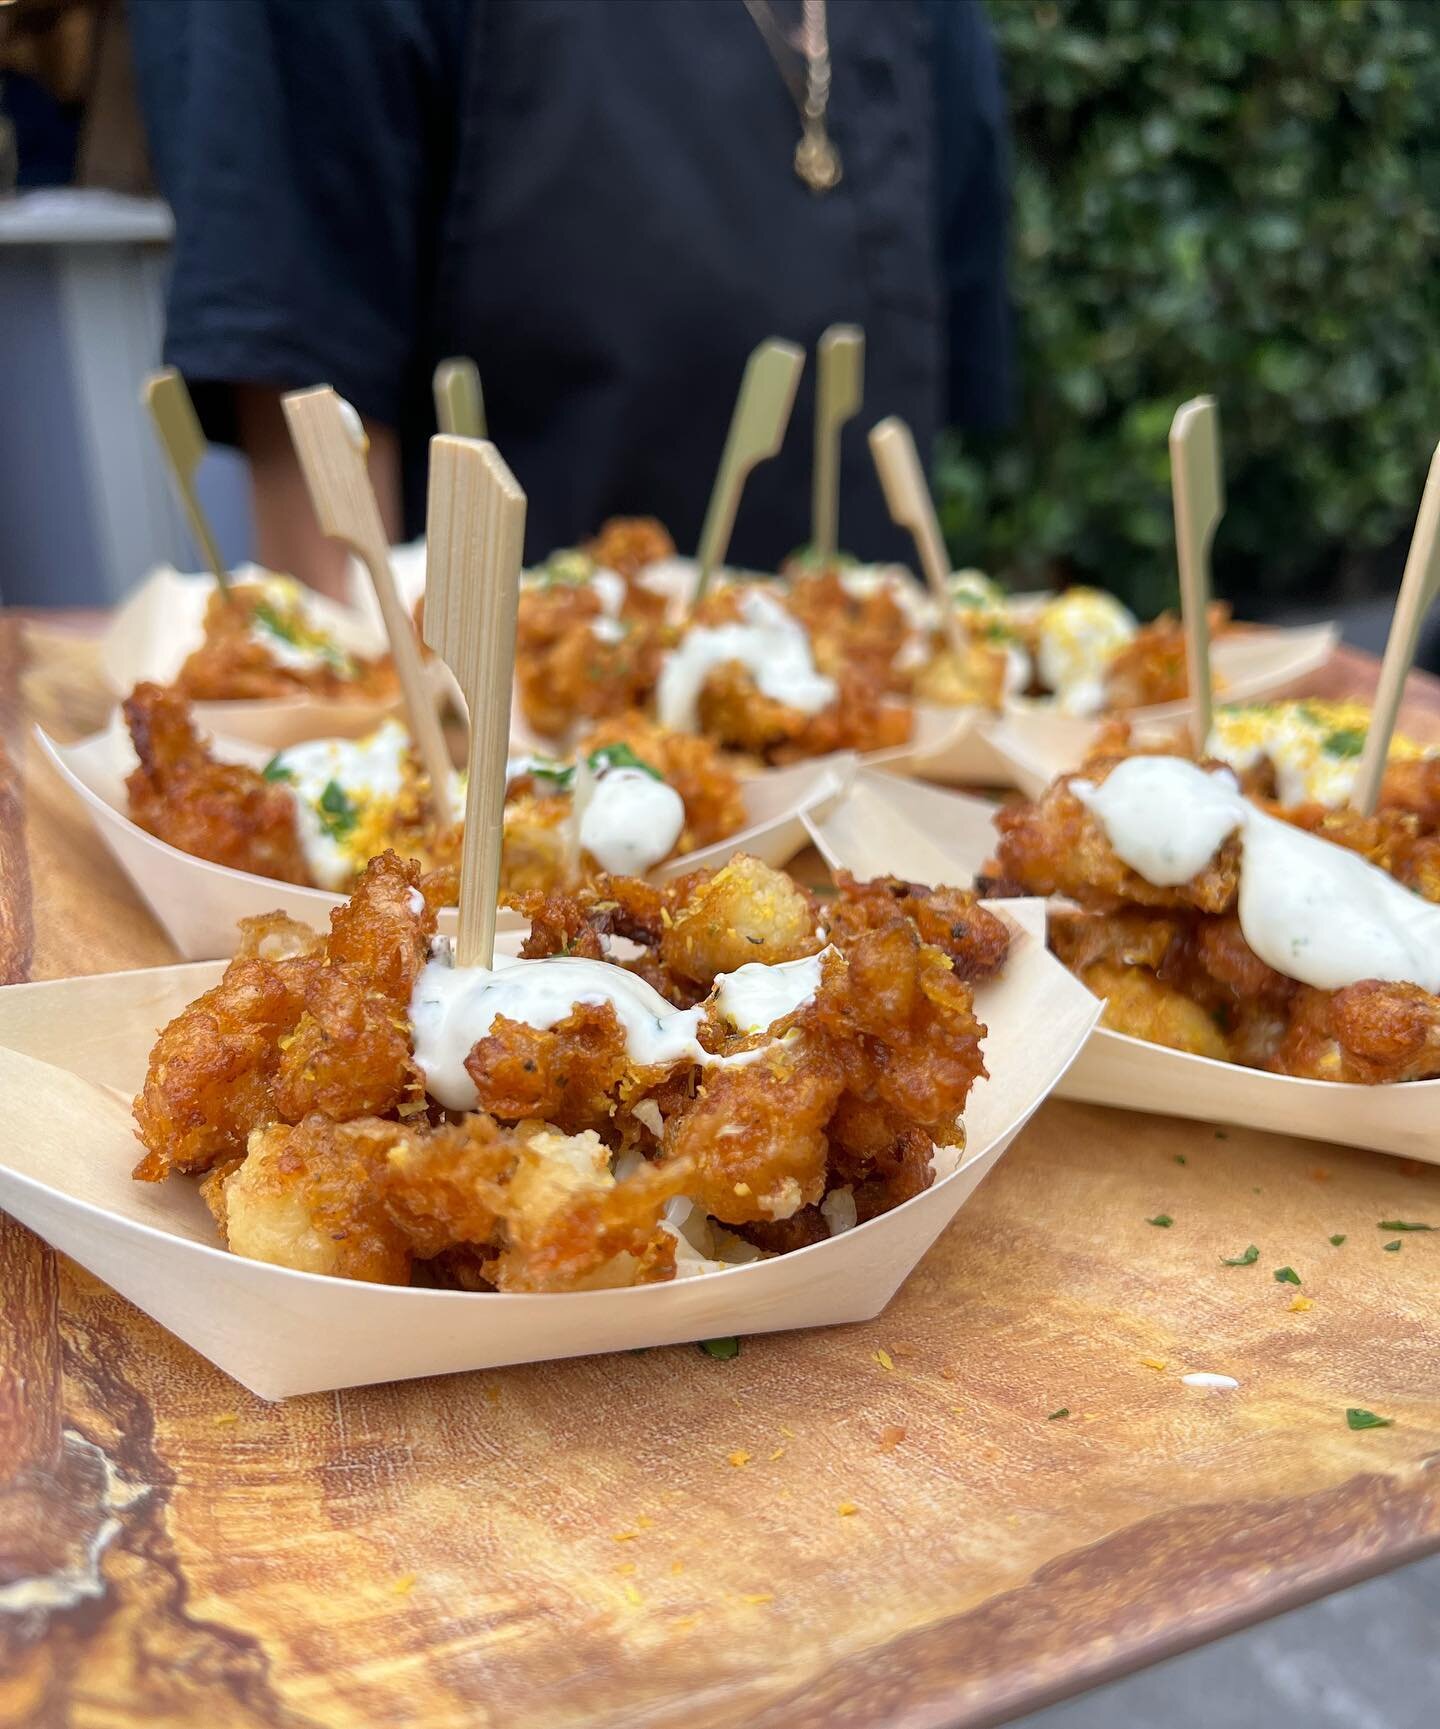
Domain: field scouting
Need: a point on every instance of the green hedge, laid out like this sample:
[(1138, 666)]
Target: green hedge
[(1235, 196)]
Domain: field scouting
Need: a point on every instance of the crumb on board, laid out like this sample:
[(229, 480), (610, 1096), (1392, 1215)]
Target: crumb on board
[(1156, 1363), (225, 1417), (884, 1359), (779, 1453), (404, 1585), (1298, 1305), (739, 1457), (623, 1536), (847, 1509), (891, 1436), (757, 1597)]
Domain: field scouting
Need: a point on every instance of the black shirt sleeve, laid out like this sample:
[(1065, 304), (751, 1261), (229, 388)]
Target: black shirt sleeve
[(974, 198), (305, 147)]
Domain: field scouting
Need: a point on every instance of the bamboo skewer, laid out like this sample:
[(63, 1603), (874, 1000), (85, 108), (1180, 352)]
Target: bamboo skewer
[(1198, 489), (475, 533), (839, 391), (907, 497), (757, 430), (331, 445), (177, 427), (459, 400), (1418, 589)]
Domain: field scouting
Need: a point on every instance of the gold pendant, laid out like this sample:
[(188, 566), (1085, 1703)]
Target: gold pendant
[(817, 161)]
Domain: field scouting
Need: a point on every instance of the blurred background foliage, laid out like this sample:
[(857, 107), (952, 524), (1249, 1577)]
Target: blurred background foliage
[(1234, 196)]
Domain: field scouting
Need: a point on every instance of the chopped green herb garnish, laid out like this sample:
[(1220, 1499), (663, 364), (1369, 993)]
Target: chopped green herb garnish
[(1055, 1416), (1392, 1248), (275, 769), (1220, 1135), (1286, 1276), (265, 614), (338, 814), (1401, 1225), (1336, 1241), (1180, 1159), (721, 1349), (1358, 1419), (1248, 1259), (1162, 1219), (1345, 741), (621, 756)]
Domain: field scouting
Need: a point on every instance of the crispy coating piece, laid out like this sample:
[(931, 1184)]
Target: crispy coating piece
[(276, 1039), (573, 662), (568, 1074), (445, 1187), (1151, 666), (309, 1196), (233, 662), (976, 941), (1056, 846), (714, 803), (973, 679), (626, 544), (747, 911), (1371, 1033), (221, 811), (863, 717)]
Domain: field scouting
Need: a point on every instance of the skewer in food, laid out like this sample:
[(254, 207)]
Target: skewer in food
[(1296, 937), (632, 797), (762, 1073)]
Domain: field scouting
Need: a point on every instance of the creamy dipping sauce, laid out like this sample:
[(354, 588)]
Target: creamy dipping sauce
[(771, 646), (284, 628), (628, 820), (1310, 909), (1079, 634), (335, 782), (756, 996), (453, 1007)]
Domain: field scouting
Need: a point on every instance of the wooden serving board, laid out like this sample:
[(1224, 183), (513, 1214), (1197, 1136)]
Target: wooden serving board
[(878, 1525)]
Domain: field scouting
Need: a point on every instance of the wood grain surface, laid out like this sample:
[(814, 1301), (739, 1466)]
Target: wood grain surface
[(867, 1525)]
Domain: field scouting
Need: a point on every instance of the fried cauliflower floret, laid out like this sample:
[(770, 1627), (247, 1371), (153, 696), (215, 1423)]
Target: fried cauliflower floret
[(745, 912), (233, 662), (309, 1196), (221, 811), (1151, 668), (1372, 1033), (626, 544), (568, 1074), (864, 717), (574, 662), (952, 919), (860, 626)]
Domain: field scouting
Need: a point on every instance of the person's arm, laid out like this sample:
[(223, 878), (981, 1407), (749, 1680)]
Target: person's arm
[(287, 536), (305, 146)]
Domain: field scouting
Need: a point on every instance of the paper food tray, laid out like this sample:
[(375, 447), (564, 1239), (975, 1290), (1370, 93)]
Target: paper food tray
[(199, 904), (73, 1051), (928, 835), (162, 621)]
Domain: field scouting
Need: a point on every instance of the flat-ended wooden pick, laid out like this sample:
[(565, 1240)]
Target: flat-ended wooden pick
[(474, 538), (757, 430), (839, 391), (331, 445), (177, 426), (907, 497), (459, 400), (1198, 489), (1418, 590)]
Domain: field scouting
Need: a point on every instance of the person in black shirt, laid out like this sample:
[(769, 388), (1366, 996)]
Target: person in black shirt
[(601, 202)]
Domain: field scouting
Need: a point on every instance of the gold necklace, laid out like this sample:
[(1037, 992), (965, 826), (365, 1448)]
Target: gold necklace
[(817, 161)]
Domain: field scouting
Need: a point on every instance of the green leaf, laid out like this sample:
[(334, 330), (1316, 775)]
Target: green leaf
[(1357, 1418), (721, 1349), (1248, 1259), (1055, 1416), (266, 616), (338, 814), (1286, 1276), (276, 769), (1162, 1219), (1392, 1248), (1180, 1159), (1401, 1225), (620, 756), (1345, 741), (1336, 1241)]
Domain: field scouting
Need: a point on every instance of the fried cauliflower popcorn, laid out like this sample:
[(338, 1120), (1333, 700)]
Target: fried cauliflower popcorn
[(1298, 939), (760, 1073)]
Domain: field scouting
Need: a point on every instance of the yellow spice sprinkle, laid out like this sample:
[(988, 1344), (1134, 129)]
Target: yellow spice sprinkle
[(884, 1359), (404, 1585), (677, 1566), (757, 1596), (779, 1453), (226, 1417), (739, 1457), (623, 1536), (1152, 1363), (1298, 1305), (633, 1596), (846, 1509), (789, 1434), (625, 1569), (644, 1522)]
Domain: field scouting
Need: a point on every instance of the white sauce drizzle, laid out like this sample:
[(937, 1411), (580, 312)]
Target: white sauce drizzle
[(610, 591), (628, 820), (287, 600), (364, 769), (768, 643), (1312, 910), (755, 996), (1080, 633)]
